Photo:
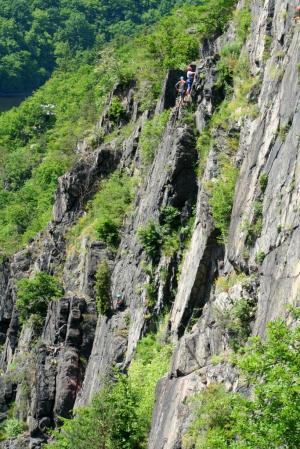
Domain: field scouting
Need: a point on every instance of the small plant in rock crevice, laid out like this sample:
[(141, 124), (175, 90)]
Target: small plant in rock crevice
[(116, 110), (260, 257), (165, 237), (161, 237), (236, 321), (224, 283), (222, 191), (103, 288), (263, 181)]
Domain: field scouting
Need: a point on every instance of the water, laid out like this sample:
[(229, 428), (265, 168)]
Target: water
[(7, 102)]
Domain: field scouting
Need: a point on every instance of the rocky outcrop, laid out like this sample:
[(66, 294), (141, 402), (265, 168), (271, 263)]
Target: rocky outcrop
[(76, 347), (268, 146)]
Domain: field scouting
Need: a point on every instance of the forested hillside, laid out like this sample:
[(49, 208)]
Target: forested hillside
[(37, 35), (38, 139)]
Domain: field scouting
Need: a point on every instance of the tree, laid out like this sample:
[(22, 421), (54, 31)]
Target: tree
[(34, 295)]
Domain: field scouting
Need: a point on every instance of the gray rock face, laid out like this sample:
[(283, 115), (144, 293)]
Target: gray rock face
[(77, 348), (269, 144), (176, 186)]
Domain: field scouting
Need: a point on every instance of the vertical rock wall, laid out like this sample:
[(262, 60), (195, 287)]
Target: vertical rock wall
[(77, 348)]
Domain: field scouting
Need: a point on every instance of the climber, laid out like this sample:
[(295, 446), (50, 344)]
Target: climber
[(119, 302), (297, 14), (181, 88), (190, 79)]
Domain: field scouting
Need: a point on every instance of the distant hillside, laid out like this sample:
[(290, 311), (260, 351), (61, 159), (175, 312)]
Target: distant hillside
[(37, 35)]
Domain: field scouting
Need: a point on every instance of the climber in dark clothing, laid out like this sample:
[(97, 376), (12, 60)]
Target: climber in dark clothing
[(190, 79), (181, 88)]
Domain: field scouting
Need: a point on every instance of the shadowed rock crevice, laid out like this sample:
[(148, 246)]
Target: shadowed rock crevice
[(204, 279)]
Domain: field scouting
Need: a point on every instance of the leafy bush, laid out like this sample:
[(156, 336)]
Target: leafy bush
[(253, 229), (151, 136), (169, 218), (116, 110), (162, 237), (263, 182), (269, 417), (120, 414), (13, 427), (222, 196), (260, 257), (150, 239), (103, 288), (236, 321), (34, 295)]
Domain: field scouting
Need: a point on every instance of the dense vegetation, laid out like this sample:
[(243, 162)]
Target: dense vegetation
[(34, 295), (36, 35), (37, 139), (268, 418), (120, 414)]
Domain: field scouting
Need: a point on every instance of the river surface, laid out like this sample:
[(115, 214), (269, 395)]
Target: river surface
[(7, 102)]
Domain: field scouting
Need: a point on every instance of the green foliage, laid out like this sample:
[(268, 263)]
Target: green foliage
[(253, 229), (222, 196), (236, 320), (169, 218), (120, 414), (263, 181), (37, 36), (36, 147), (212, 426), (150, 239), (34, 295), (162, 237), (225, 283), (204, 144), (242, 20), (269, 418), (13, 427), (103, 288), (106, 211), (116, 110), (260, 257), (37, 139), (207, 19), (228, 65), (151, 136)]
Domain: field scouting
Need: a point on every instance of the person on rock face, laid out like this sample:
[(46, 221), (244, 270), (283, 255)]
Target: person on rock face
[(297, 14), (190, 79), (181, 87)]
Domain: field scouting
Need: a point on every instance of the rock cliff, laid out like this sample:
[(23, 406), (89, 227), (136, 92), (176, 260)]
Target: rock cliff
[(65, 363)]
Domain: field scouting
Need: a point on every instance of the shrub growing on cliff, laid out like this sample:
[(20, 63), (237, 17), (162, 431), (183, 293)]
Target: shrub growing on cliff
[(34, 295), (13, 427), (102, 288), (116, 110), (222, 195), (150, 239), (269, 418)]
